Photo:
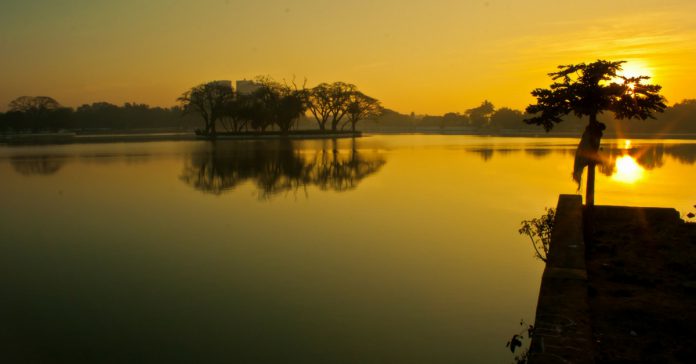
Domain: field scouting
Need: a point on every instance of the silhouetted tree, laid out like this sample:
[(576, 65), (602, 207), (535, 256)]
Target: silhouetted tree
[(340, 100), (104, 115), (329, 102), (37, 113), (289, 108), (480, 116), (284, 104), (506, 118), (319, 103), (270, 104), (588, 90), (33, 104), (539, 232), (360, 107), (453, 119), (239, 112), (209, 100)]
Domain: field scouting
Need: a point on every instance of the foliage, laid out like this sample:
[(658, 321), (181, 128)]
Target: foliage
[(129, 116), (272, 103), (517, 341), (340, 93), (480, 116), (33, 104), (332, 102), (506, 118), (36, 113), (209, 100), (360, 106), (319, 103), (590, 89), (539, 232)]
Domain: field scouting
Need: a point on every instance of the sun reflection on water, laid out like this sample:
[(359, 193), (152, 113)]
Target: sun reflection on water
[(627, 170)]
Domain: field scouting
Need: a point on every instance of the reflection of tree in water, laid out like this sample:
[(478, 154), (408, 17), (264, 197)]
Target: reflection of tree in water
[(37, 165), (538, 153), (277, 166), (648, 156), (331, 170), (684, 153), (486, 153)]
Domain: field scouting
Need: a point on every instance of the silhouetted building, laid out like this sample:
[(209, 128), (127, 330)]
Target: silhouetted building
[(245, 87), (223, 83)]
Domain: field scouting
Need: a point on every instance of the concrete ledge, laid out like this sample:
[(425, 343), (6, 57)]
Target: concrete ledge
[(562, 331)]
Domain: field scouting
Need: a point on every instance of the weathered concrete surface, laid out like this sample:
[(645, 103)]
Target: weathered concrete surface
[(642, 285), (562, 331)]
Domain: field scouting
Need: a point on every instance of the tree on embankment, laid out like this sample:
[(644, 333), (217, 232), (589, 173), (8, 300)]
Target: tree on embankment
[(274, 104), (480, 116), (278, 104), (589, 89), (36, 113), (209, 100), (339, 102), (361, 107)]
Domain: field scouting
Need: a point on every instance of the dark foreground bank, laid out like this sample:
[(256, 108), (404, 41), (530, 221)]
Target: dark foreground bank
[(642, 285), (625, 292)]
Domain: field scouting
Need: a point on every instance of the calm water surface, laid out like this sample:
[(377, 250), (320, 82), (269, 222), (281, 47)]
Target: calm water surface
[(385, 249)]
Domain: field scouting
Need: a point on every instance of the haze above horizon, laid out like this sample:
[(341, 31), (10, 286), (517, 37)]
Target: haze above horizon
[(432, 58)]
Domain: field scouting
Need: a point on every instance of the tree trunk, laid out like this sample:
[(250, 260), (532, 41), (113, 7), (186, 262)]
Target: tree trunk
[(596, 129), (590, 194)]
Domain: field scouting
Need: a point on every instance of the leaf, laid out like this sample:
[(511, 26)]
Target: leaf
[(690, 215), (515, 342)]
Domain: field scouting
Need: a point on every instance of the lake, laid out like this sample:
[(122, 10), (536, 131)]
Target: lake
[(383, 249)]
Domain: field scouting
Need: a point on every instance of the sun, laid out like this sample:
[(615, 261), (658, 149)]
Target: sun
[(633, 68), (636, 68)]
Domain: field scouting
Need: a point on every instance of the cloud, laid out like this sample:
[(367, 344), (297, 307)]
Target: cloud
[(659, 37)]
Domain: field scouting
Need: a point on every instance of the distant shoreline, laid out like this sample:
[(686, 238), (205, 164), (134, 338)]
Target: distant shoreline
[(149, 136), (127, 136), (293, 134)]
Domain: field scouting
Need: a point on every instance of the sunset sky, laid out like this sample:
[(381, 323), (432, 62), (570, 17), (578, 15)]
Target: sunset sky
[(423, 56)]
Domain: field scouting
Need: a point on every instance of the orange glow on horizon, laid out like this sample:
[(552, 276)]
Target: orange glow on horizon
[(428, 58)]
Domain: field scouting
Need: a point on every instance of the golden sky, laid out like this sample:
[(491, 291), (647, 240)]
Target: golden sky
[(425, 56)]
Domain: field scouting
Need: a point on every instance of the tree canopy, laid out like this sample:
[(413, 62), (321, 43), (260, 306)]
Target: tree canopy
[(209, 100), (361, 106), (480, 116), (589, 89), (333, 102), (33, 104)]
